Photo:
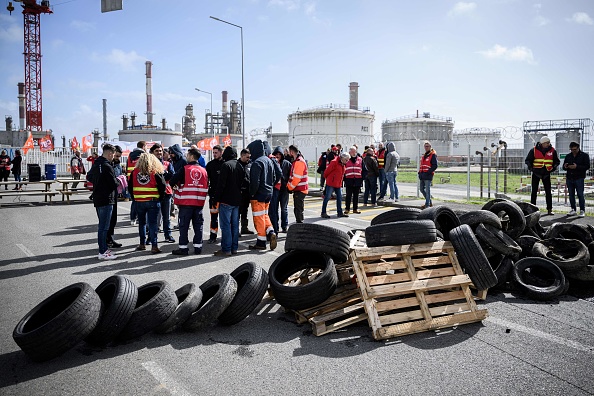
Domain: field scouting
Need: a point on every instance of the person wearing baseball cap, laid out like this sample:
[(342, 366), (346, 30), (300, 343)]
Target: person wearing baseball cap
[(542, 160)]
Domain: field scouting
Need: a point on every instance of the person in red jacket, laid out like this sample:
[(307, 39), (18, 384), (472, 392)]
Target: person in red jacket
[(334, 174)]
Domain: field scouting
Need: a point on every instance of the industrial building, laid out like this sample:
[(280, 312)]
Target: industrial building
[(315, 130)]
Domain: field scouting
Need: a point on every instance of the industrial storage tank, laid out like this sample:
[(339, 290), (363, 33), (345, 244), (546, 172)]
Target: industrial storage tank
[(478, 138), (562, 140), (315, 130), (409, 132), (530, 140)]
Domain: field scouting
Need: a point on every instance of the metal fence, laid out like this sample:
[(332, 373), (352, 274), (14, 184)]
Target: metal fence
[(60, 156)]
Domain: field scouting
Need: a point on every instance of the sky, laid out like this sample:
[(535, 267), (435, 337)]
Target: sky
[(485, 64)]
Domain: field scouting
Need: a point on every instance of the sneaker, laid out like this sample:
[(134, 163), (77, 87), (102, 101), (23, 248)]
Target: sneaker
[(325, 216), (220, 253), (114, 244), (550, 212), (180, 252), (108, 255), (272, 241), (572, 212), (133, 222), (343, 215), (234, 252), (155, 250), (396, 200), (389, 200), (582, 213), (141, 247), (170, 239)]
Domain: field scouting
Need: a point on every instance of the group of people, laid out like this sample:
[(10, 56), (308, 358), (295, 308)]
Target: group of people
[(543, 160), (5, 168), (259, 177)]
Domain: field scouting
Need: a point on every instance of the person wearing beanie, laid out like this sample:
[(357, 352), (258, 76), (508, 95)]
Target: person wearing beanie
[(228, 198), (298, 183), (542, 160)]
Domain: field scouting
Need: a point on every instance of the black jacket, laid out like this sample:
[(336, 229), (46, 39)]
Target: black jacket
[(16, 164), (179, 162), (104, 182), (213, 170), (262, 173), (582, 160), (228, 189), (372, 166), (541, 172)]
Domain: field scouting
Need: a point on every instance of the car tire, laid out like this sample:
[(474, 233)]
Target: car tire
[(252, 283), (567, 254), (318, 238), (188, 299), (498, 240), (398, 214), (471, 257), (516, 220), (569, 231), (404, 232), (538, 292), (217, 294), (445, 219), (476, 217)]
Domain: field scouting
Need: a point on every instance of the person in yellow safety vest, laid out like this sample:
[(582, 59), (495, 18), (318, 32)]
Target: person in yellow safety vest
[(147, 187), (427, 166), (263, 177), (542, 160), (298, 184), (130, 165), (383, 180), (190, 189)]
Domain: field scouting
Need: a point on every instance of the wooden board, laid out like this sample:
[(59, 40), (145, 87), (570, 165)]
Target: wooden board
[(413, 288)]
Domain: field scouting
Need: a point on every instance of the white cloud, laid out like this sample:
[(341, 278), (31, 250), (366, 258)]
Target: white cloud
[(82, 25), (539, 20), (310, 9), (10, 31), (126, 60), (461, 8), (519, 53), (581, 18), (289, 5)]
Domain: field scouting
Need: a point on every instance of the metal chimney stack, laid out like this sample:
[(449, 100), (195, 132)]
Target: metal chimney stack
[(21, 97), (224, 103), (354, 96), (104, 120), (149, 93)]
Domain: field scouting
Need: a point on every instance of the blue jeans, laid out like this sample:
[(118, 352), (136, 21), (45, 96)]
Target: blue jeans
[(371, 189), (133, 212), (148, 210), (166, 215), (104, 215), (229, 223), (426, 191), (194, 215), (391, 180), (279, 197), (383, 183), (338, 192), (574, 185)]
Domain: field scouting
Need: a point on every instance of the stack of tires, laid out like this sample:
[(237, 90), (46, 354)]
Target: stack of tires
[(118, 311), (309, 248)]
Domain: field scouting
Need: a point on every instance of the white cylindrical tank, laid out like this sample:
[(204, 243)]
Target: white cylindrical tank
[(562, 140), (167, 138), (315, 130), (408, 132), (477, 139)]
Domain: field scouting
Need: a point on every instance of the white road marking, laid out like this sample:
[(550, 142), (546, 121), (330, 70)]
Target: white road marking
[(542, 334), (164, 379), (25, 250)]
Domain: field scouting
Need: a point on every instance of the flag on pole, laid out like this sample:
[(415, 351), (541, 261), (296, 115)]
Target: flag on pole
[(212, 142), (227, 141), (75, 144), (201, 144), (28, 144), (87, 143), (46, 144)]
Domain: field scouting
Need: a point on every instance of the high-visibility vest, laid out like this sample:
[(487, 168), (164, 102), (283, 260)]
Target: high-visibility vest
[(381, 155), (144, 187), (195, 188), (298, 180), (426, 162), (354, 170), (543, 160), (168, 189), (130, 165)]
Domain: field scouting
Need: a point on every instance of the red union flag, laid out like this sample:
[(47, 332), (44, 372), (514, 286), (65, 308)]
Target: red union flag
[(227, 141), (87, 142), (46, 144), (201, 144), (28, 144), (212, 142), (74, 144)]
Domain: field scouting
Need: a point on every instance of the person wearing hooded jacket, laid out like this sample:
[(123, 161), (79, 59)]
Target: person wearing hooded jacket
[(213, 169), (228, 198), (4, 168), (542, 160), (391, 160), (298, 182), (280, 194), (246, 164), (262, 180)]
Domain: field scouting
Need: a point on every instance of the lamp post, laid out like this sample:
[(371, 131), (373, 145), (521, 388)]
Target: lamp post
[(242, 80), (199, 90)]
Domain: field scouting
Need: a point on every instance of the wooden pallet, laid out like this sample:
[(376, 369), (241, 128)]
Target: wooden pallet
[(343, 308), (413, 288)]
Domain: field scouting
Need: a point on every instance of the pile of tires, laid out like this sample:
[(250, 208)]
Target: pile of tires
[(400, 226), (118, 311), (311, 252)]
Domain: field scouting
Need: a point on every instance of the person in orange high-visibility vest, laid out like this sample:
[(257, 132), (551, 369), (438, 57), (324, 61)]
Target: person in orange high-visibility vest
[(427, 166), (147, 187), (190, 189), (542, 160), (298, 184)]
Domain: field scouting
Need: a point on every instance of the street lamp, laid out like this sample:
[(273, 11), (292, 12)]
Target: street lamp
[(242, 80), (199, 90), (298, 125)]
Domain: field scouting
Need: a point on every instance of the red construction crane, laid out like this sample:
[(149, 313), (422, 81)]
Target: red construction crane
[(31, 13)]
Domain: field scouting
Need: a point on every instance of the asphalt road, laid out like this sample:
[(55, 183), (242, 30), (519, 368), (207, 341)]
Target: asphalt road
[(524, 347)]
